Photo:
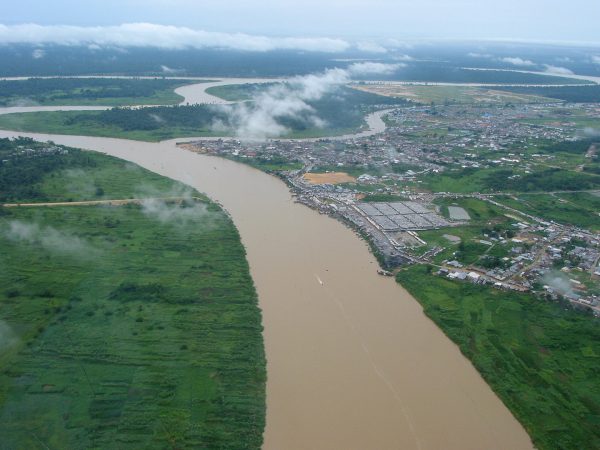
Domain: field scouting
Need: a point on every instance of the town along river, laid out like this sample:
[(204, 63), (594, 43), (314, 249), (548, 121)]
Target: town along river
[(353, 363)]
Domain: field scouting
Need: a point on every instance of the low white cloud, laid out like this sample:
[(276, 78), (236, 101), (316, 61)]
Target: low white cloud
[(8, 338), (591, 132), (370, 47), (405, 58), (261, 118), (516, 61), (479, 55), (77, 182), (564, 59), (49, 238), (559, 282), (392, 43), (179, 213), (176, 207), (38, 53), (595, 59), (373, 68), (168, 70), (161, 36), (556, 70), (157, 118)]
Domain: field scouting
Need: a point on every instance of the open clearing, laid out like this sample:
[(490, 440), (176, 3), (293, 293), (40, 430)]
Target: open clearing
[(448, 94), (452, 238), (458, 213), (329, 178)]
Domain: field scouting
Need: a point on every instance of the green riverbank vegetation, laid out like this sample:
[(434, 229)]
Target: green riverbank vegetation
[(541, 358), (130, 326)]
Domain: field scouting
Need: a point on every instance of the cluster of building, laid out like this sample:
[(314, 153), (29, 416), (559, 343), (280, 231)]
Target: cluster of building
[(545, 257), (423, 141), (22, 151), (398, 216)]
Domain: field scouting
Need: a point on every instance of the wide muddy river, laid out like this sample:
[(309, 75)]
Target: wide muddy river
[(353, 363)]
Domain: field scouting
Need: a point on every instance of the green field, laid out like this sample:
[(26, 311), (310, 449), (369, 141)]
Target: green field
[(545, 179), (90, 91), (579, 208), (541, 358), (478, 210), (131, 326), (87, 123), (270, 164), (238, 92), (456, 180)]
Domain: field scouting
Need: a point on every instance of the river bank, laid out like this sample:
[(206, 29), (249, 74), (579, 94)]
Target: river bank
[(352, 360)]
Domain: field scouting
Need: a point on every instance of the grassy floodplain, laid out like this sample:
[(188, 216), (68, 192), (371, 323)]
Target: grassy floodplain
[(132, 326), (90, 91), (238, 92), (343, 112), (91, 123), (503, 180), (541, 358)]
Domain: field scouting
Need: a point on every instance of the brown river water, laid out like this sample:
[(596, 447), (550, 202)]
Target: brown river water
[(353, 363)]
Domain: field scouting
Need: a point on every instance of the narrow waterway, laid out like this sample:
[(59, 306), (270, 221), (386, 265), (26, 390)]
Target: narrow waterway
[(196, 93), (353, 363), (192, 93)]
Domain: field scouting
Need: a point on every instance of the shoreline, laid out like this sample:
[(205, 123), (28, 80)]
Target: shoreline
[(341, 342), (360, 340)]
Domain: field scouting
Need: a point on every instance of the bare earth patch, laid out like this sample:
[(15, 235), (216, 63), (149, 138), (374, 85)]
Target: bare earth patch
[(329, 178)]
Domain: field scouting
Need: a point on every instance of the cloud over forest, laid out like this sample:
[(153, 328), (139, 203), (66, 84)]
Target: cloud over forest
[(262, 116), (160, 36)]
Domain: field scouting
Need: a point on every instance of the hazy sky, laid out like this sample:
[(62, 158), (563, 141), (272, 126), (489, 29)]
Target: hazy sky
[(546, 20)]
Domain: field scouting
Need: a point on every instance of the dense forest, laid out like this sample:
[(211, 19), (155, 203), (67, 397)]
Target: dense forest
[(442, 63)]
